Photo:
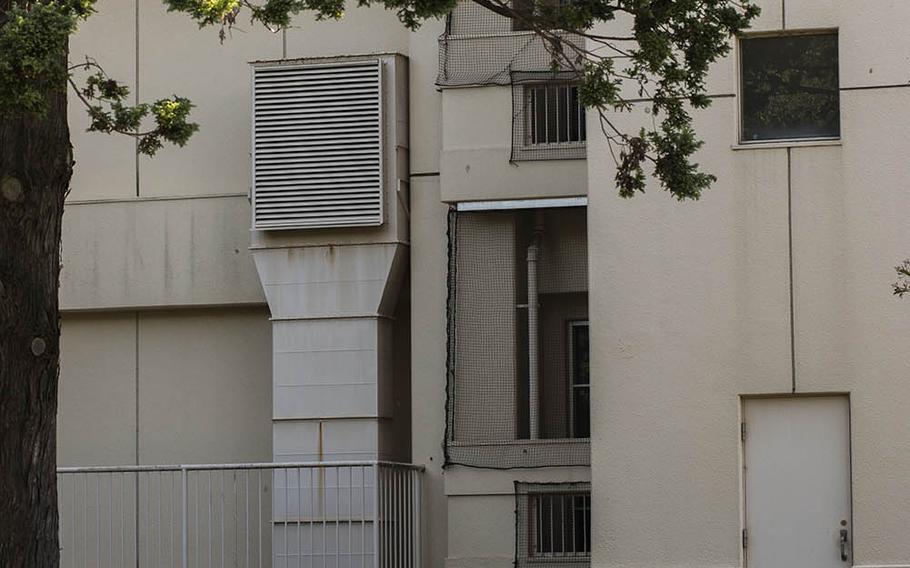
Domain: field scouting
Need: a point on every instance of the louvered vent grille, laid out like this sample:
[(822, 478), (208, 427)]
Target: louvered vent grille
[(317, 145)]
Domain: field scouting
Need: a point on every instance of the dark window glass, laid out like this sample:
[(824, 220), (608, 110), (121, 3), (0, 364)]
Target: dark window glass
[(790, 87), (581, 382)]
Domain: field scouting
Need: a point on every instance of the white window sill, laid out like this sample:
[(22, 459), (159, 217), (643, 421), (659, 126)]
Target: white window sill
[(776, 144)]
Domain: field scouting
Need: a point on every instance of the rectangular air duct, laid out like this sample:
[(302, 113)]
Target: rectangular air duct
[(317, 145)]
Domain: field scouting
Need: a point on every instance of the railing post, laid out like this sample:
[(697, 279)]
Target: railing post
[(376, 560), (418, 525), (184, 515)]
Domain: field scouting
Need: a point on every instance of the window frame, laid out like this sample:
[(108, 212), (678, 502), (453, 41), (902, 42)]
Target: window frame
[(741, 142), (570, 349), (529, 110), (522, 116), (528, 517)]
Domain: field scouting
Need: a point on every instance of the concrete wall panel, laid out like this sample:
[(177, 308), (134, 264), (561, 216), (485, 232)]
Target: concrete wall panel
[(475, 153), (156, 253), (105, 163), (96, 413), (204, 381), (175, 56)]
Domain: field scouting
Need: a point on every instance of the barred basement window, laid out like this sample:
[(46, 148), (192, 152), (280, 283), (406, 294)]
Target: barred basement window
[(518, 377), (553, 524)]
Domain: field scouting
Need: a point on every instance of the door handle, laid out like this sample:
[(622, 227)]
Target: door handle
[(844, 540)]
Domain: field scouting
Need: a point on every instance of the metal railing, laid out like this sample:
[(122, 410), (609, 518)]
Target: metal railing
[(280, 515)]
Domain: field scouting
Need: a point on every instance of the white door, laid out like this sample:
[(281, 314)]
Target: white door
[(797, 478)]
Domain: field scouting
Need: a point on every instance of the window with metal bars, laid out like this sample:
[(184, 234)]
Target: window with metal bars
[(553, 524), (548, 119), (554, 115)]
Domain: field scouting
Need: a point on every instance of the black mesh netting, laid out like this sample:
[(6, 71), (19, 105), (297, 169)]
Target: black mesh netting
[(481, 47), (505, 406), (552, 524)]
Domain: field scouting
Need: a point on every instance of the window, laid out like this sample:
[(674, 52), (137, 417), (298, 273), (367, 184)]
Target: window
[(580, 368), (790, 87), (553, 524), (548, 119), (518, 378), (554, 115)]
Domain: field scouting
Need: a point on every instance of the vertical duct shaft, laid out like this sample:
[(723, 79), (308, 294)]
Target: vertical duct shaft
[(534, 328)]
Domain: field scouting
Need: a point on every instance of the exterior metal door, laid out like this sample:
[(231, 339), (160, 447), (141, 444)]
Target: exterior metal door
[(797, 482)]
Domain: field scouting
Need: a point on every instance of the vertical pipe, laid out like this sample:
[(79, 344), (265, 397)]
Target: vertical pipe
[(299, 515), (533, 328)]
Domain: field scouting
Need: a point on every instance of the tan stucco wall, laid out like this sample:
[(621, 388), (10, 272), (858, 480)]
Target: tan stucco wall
[(199, 379), (477, 145), (690, 310)]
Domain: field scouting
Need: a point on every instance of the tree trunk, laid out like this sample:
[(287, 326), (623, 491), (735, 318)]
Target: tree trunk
[(35, 170)]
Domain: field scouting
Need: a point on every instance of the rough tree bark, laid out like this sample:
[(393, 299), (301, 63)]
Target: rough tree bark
[(35, 170)]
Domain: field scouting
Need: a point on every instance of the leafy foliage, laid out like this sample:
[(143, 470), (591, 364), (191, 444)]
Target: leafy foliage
[(902, 286), (105, 99), (277, 14), (671, 46), (33, 40), (666, 55)]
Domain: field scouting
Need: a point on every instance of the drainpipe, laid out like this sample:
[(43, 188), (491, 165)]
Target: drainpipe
[(533, 328)]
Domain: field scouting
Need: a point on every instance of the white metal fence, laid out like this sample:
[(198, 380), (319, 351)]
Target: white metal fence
[(279, 515)]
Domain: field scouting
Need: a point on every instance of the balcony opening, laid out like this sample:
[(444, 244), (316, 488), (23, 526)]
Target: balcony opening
[(519, 373)]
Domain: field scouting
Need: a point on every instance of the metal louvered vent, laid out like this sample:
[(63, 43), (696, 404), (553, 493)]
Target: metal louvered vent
[(317, 145)]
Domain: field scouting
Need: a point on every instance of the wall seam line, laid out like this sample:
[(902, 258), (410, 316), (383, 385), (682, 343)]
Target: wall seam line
[(136, 91), (790, 262)]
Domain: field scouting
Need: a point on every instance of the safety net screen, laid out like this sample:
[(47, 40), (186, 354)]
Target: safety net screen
[(481, 47), (518, 387), (552, 524)]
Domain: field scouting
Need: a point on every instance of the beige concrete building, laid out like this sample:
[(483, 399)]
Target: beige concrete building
[(391, 246)]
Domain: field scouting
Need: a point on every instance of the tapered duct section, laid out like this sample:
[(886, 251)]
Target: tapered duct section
[(317, 145)]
